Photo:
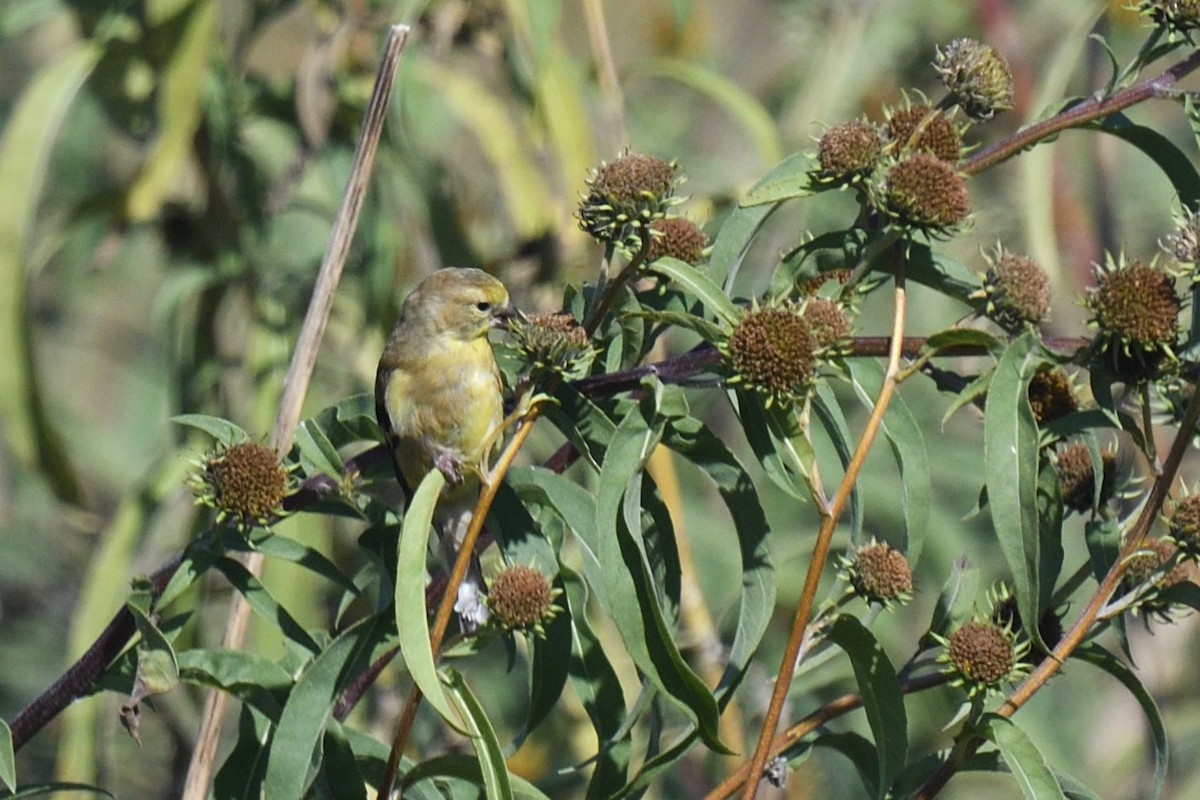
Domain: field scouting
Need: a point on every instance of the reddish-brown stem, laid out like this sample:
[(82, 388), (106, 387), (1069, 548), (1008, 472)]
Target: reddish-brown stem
[(820, 553)]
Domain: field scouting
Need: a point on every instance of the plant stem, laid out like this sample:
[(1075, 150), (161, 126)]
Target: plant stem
[(824, 537)]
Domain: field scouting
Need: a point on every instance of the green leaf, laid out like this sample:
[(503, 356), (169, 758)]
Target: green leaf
[(737, 233), (964, 338), (787, 460), (278, 546), (828, 412), (157, 669), (412, 617), (457, 777), (28, 140), (242, 773), (8, 758), (632, 596), (1175, 165), (310, 705), (904, 435), (261, 601), (339, 766), (793, 183), (598, 688), (861, 753), (224, 431), (493, 770), (940, 272), (696, 284), (1023, 758), (882, 699), (697, 443), (249, 677), (1011, 471), (1097, 656)]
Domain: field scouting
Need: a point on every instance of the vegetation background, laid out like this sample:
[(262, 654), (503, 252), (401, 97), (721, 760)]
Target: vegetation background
[(169, 171)]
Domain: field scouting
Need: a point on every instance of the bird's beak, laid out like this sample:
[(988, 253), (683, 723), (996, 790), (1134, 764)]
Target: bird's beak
[(502, 316)]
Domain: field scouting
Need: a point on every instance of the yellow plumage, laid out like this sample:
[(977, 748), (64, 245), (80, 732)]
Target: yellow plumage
[(438, 395)]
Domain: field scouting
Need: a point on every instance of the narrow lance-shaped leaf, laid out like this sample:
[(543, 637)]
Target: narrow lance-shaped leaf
[(882, 699), (310, 705), (1097, 656), (493, 770), (1011, 470), (1022, 758), (412, 616)]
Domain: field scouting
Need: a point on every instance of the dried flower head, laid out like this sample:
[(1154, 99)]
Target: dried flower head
[(1016, 290), (624, 196), (848, 152), (878, 573), (553, 341), (921, 128), (1077, 478), (828, 321), (244, 482), (1174, 16), (1184, 242), (773, 351), (977, 77), (925, 193), (521, 599), (677, 237), (1135, 309), (1051, 395), (1156, 566), (1184, 523), (982, 655)]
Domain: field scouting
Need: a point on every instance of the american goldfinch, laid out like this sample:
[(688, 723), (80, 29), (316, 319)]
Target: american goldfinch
[(438, 400)]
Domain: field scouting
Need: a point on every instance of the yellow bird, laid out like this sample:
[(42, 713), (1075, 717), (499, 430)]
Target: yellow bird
[(438, 399)]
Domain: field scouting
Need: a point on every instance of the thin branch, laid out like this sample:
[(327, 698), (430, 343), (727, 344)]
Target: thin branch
[(1081, 114), (295, 384), (820, 554)]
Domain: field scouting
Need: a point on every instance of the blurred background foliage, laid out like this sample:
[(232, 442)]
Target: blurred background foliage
[(169, 171)]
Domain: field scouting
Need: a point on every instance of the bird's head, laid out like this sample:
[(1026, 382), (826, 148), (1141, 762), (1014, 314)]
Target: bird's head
[(462, 303)]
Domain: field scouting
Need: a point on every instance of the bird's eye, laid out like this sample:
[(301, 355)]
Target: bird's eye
[(484, 306)]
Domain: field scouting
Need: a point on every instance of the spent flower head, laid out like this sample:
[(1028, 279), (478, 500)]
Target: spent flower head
[(1174, 16), (922, 192), (1156, 566), (625, 196), (981, 655), (1051, 395), (1135, 309), (848, 152), (677, 237), (921, 128), (1183, 244), (553, 342), (878, 573), (1077, 477), (1183, 522), (522, 599), (244, 482), (1016, 290), (977, 76)]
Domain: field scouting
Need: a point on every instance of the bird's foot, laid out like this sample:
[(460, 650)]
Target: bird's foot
[(450, 465)]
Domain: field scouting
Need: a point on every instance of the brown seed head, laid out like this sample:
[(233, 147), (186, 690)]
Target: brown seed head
[(1017, 290), (773, 351), (880, 573), (1077, 479), (1051, 395), (521, 598), (982, 653), (938, 135), (925, 192), (678, 238), (849, 150), (977, 76), (247, 482), (1137, 303)]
